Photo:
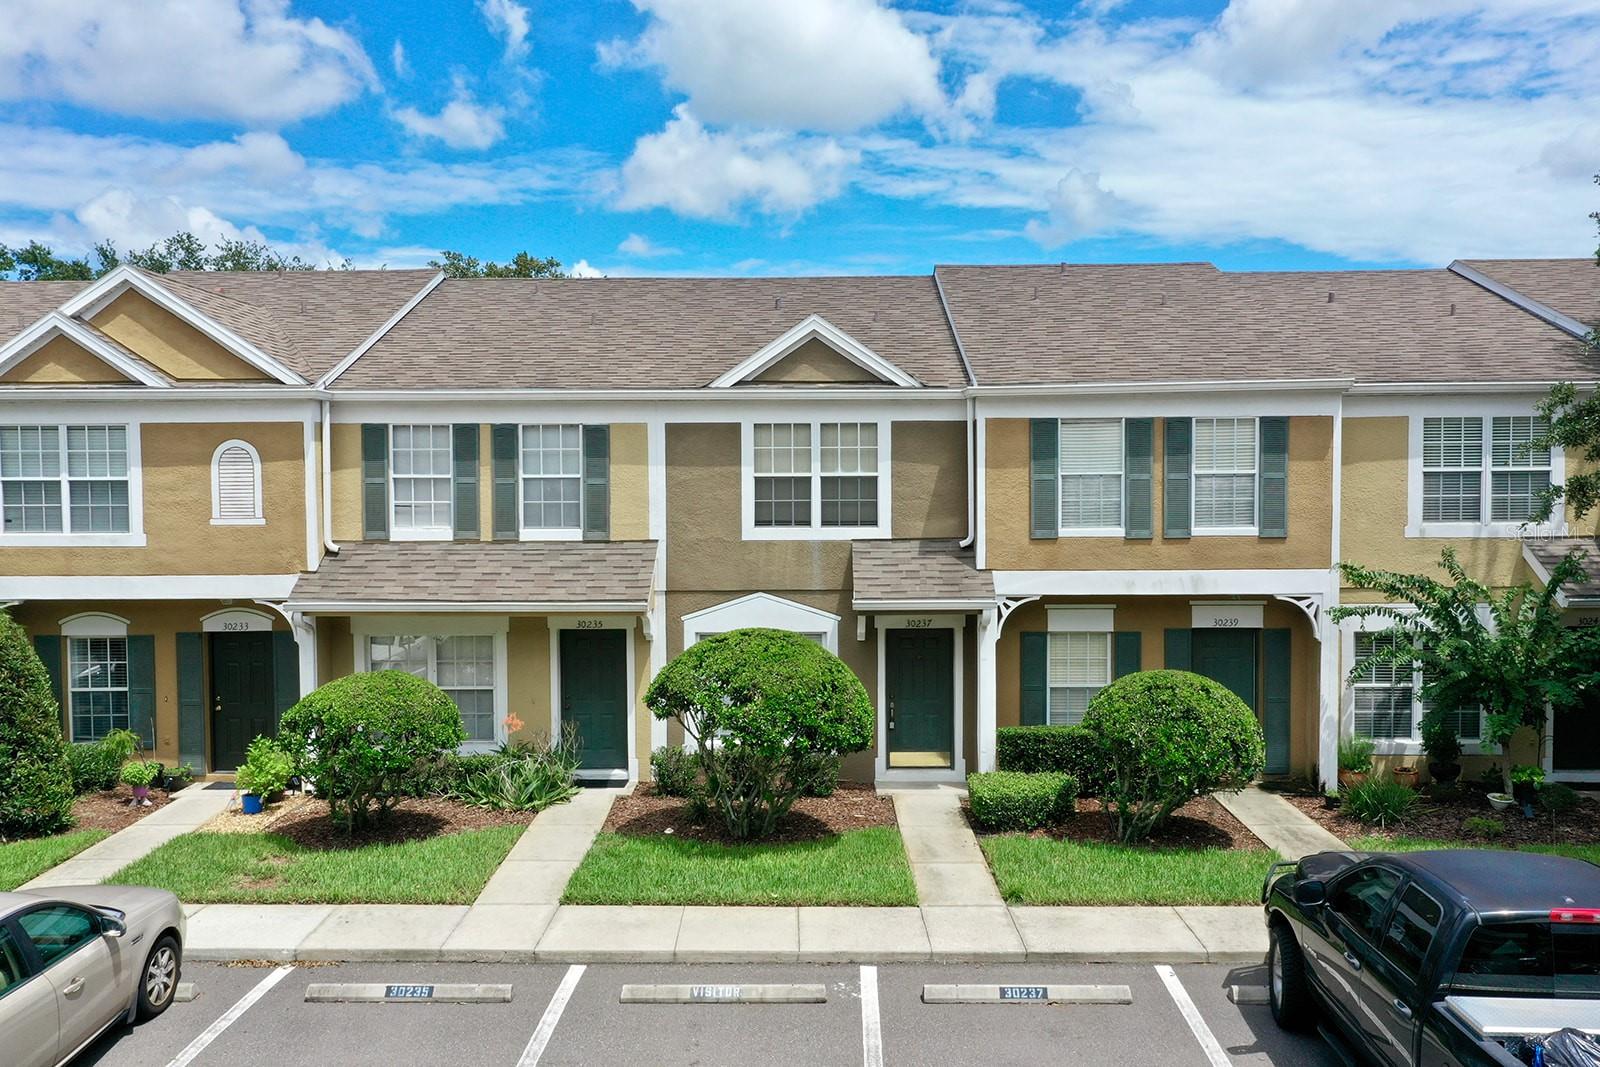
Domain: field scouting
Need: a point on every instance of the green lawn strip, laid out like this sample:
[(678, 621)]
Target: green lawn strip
[(858, 867), (23, 861), (1042, 870), (269, 869), (1420, 844)]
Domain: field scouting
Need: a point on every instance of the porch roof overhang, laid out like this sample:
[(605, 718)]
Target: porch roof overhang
[(917, 575), (467, 577), (1544, 556)]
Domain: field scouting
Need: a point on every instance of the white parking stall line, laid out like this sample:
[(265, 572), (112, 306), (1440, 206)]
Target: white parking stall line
[(871, 1023), (229, 1017), (552, 1015), (1191, 1015)]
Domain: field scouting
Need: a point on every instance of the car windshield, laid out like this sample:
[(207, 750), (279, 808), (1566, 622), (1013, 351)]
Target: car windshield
[(1537, 958)]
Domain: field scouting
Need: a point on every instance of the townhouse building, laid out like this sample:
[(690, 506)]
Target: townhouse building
[(990, 490)]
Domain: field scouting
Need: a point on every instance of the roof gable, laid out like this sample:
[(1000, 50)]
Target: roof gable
[(170, 342), (62, 361), (57, 350), (805, 335)]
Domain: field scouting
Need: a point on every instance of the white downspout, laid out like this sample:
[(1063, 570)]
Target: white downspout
[(972, 473), (327, 479)]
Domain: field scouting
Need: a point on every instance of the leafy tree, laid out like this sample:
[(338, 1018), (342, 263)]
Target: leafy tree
[(1508, 653), (37, 262), (521, 265), (35, 777)]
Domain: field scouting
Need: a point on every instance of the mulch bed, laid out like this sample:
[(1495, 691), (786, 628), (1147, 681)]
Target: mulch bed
[(852, 807), (411, 819), (1201, 823), (113, 809), (1441, 819)]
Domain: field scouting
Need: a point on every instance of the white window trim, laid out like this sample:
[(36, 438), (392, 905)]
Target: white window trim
[(134, 538), (363, 628), (766, 610), (448, 533), (548, 533), (558, 623), (94, 624), (816, 531), (1416, 527), (1254, 528), (1396, 746), (958, 624), (258, 519), (1081, 619), (1118, 530), (88, 626)]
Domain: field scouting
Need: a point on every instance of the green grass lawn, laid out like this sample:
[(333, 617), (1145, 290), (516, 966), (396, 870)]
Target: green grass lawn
[(1420, 844), (270, 869), (858, 867), (23, 861), (1042, 870)]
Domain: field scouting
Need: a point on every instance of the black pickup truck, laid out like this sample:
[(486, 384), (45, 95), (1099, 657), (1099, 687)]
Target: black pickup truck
[(1462, 958)]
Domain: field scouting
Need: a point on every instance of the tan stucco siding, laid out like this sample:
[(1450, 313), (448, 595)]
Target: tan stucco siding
[(630, 482), (61, 362), (1309, 544), (928, 482), (816, 362), (180, 539), (346, 479), (528, 676), (336, 648), (170, 343)]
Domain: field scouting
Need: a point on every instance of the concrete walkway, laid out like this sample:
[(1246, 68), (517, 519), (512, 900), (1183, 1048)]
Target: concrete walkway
[(1279, 824), (186, 811)]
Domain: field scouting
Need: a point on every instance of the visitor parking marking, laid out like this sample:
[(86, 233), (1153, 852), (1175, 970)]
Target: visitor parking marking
[(785, 993)]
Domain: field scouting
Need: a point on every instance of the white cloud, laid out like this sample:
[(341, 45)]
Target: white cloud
[(581, 269), (714, 175), (641, 247), (1078, 208), (397, 59), (832, 65), (509, 21), (234, 60), (462, 123)]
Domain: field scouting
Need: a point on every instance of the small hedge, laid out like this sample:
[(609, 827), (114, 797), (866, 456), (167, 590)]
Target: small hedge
[(1014, 800), (35, 777), (1065, 749)]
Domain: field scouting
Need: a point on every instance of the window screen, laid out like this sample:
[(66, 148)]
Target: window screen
[(1091, 473), (1224, 473)]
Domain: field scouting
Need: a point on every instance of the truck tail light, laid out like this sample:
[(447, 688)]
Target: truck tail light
[(1575, 915)]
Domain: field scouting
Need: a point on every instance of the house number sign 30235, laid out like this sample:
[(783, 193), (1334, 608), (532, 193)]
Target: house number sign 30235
[(591, 624)]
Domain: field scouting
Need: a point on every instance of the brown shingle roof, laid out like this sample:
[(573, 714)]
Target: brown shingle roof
[(24, 303), (1192, 322), (642, 333), (1570, 286), (917, 572), (1549, 554), (513, 573)]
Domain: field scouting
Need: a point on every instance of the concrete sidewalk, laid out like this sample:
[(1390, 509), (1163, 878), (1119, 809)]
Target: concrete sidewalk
[(1279, 824), (184, 812)]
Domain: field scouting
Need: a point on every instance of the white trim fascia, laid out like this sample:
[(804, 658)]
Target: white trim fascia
[(818, 328), (743, 395), (55, 324), (885, 774), (441, 607), (377, 335), (139, 396), (103, 292), (1181, 583), (1137, 388), (878, 607), (149, 587), (1495, 388), (1148, 403), (1516, 297)]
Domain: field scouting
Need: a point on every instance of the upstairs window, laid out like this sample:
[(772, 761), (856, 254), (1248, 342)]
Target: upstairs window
[(552, 475), (1483, 470), (420, 469), (1091, 475), (1225, 474), (64, 479), (819, 479), (783, 474)]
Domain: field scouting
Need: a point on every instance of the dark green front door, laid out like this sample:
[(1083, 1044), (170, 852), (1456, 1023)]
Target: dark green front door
[(241, 695), (594, 694), (1575, 738), (1229, 657), (921, 712)]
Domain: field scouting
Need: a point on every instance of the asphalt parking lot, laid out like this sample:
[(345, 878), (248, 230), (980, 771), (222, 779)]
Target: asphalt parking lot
[(572, 1015)]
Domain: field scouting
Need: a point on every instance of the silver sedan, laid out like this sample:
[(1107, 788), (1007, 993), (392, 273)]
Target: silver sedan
[(76, 960)]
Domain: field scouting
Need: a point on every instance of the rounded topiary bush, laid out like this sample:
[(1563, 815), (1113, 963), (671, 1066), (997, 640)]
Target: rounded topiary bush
[(363, 738), (1168, 736), (768, 710), (35, 777)]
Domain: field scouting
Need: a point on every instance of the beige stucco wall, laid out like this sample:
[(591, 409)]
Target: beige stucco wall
[(928, 483), (61, 362), (815, 362), (170, 343), (176, 468), (345, 476), (630, 482), (1309, 544)]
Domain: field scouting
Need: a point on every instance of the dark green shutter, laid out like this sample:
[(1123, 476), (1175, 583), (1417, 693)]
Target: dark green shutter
[(1128, 652), (1179, 646), (503, 454), (1275, 676), (464, 480), (1138, 446), (596, 483), (1274, 477), (142, 688), (1178, 477), (192, 701), (1035, 677), (1044, 477), (48, 646), (285, 674), (375, 482)]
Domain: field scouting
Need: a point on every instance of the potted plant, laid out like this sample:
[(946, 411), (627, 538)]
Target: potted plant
[(1406, 776), (139, 774), (178, 777), (266, 771), (1443, 747), (1355, 760), (1525, 782)]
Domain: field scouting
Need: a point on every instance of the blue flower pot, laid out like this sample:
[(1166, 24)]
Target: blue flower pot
[(252, 804)]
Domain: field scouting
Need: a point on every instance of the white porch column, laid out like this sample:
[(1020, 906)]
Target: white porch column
[(305, 643), (1330, 688), (988, 638)]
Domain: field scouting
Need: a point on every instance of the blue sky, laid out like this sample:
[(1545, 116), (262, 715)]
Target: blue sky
[(752, 137)]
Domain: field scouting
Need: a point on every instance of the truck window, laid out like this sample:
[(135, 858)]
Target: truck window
[(1362, 899), (1411, 930), (1531, 959)]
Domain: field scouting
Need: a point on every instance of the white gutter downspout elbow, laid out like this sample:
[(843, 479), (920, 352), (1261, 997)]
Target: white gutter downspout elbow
[(972, 474), (328, 543)]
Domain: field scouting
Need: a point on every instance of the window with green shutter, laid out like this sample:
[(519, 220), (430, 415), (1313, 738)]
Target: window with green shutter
[(1274, 521), (1138, 449), (464, 481), (1044, 448), (375, 482), (1177, 477)]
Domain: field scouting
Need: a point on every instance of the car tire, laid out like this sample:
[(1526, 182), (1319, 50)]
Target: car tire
[(158, 978), (1287, 991)]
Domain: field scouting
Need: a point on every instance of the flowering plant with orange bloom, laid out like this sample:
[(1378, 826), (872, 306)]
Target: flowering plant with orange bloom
[(513, 724)]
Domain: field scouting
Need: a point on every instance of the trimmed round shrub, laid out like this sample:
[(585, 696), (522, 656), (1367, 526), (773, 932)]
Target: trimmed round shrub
[(1167, 737), (1068, 749), (765, 709), (826, 778), (35, 777), (364, 740), (1378, 801), (1019, 800)]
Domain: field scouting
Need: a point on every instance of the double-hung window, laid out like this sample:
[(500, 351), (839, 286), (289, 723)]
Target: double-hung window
[(1387, 702), (820, 478), (552, 476), (1080, 666), (65, 479), (462, 665), (1091, 476), (97, 686), (420, 468), (1225, 471), (1478, 470)]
